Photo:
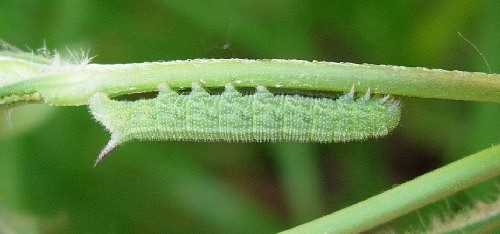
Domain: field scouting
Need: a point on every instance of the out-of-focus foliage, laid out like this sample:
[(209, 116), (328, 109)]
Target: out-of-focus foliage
[(46, 153)]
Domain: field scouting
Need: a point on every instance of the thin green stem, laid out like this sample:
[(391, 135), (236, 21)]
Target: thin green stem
[(409, 196), (300, 178), (74, 86)]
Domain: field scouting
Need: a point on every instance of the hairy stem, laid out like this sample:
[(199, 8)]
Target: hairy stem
[(75, 86), (409, 196)]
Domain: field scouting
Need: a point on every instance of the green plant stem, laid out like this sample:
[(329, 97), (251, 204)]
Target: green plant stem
[(75, 86), (299, 176), (409, 196)]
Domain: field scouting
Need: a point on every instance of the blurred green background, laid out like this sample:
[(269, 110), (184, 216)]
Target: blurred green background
[(47, 183)]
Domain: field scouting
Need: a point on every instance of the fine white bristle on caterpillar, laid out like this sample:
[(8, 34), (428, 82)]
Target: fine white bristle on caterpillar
[(367, 95), (350, 94), (384, 99)]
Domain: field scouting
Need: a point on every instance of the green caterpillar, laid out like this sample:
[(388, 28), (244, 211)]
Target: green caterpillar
[(234, 117)]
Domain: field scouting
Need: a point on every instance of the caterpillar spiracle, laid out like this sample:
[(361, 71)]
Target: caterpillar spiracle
[(234, 117)]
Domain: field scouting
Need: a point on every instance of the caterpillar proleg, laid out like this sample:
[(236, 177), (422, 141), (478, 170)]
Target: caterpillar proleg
[(234, 117)]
